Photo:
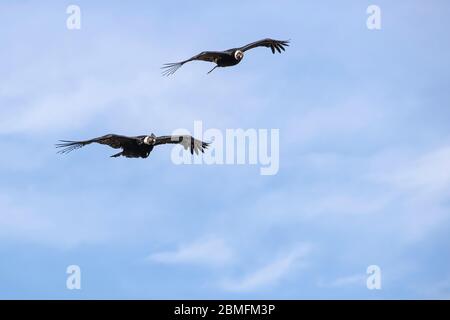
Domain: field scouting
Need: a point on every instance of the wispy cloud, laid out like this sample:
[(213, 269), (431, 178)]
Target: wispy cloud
[(428, 173), (334, 121), (22, 222), (419, 187), (205, 252), (269, 274)]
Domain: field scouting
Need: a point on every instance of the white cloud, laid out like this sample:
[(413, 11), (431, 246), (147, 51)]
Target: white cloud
[(345, 204), (419, 187), (428, 173), (339, 120), (64, 229), (208, 251), (18, 219), (269, 274)]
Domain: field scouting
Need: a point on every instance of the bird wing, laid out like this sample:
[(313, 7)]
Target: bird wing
[(113, 140), (210, 56), (277, 45), (185, 141)]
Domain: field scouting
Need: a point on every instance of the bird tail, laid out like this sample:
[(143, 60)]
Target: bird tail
[(68, 146), (171, 68)]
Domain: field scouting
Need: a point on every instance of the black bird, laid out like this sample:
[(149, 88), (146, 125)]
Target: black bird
[(135, 147), (227, 58)]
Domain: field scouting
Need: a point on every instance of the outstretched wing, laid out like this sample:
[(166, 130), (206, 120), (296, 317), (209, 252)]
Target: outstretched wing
[(210, 56), (185, 141), (113, 140), (277, 45)]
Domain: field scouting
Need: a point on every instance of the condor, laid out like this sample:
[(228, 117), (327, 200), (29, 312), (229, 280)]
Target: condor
[(227, 58), (135, 147)]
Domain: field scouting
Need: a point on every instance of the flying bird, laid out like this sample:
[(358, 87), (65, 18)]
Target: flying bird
[(135, 147), (227, 58)]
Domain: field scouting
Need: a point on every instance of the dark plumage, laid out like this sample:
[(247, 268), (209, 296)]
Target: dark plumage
[(135, 147), (227, 58)]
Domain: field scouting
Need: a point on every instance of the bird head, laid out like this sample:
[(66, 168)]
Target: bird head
[(150, 140), (238, 55)]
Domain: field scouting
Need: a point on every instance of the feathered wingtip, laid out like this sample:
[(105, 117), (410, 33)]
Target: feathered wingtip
[(170, 68), (205, 146), (198, 145), (279, 45), (67, 146)]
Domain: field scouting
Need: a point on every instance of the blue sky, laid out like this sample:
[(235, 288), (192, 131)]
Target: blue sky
[(364, 173)]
